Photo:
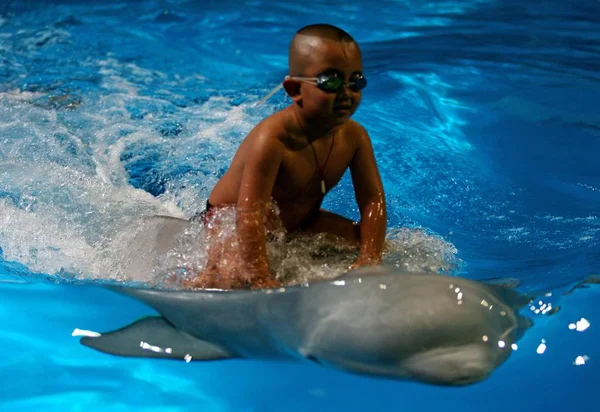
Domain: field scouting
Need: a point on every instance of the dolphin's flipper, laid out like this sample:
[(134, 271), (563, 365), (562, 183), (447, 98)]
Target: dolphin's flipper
[(506, 283), (155, 337)]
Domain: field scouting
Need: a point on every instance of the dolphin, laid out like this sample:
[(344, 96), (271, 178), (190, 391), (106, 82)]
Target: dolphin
[(375, 321)]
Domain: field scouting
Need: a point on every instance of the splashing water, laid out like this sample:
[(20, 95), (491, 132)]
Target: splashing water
[(295, 258)]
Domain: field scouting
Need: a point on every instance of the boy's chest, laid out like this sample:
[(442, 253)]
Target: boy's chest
[(301, 171)]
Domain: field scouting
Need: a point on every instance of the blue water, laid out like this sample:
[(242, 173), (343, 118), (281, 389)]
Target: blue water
[(484, 119)]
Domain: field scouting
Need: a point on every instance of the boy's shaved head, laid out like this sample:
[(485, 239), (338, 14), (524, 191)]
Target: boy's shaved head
[(326, 31), (310, 37)]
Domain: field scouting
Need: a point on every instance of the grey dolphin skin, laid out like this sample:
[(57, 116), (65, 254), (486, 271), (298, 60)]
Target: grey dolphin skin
[(374, 321)]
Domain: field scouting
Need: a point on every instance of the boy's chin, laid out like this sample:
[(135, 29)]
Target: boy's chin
[(334, 117), (341, 116), (342, 112)]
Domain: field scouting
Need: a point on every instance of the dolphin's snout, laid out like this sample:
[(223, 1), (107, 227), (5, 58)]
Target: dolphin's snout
[(462, 365), (469, 374)]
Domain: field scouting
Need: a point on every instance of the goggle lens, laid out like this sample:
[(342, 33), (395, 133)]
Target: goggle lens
[(333, 84)]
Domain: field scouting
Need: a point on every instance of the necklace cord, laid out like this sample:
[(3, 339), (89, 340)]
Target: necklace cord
[(321, 169)]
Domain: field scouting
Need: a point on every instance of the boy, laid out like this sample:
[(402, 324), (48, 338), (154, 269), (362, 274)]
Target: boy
[(296, 155)]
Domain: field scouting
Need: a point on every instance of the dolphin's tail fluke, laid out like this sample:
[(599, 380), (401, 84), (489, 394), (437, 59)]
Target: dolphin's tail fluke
[(155, 337)]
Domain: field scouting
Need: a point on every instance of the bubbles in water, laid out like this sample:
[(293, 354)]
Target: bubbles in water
[(416, 251)]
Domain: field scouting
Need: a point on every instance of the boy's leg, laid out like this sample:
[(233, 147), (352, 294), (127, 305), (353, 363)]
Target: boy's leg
[(224, 268), (333, 224), (217, 271)]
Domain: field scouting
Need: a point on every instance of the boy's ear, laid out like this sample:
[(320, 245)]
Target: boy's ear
[(292, 88)]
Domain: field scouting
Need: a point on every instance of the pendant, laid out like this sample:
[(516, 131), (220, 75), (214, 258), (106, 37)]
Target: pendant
[(323, 186)]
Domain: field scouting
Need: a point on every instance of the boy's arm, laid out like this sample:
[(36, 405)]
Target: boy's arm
[(258, 178), (371, 201)]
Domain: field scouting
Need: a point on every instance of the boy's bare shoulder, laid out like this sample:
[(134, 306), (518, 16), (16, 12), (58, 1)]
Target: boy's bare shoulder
[(272, 129), (355, 132), (354, 127), (279, 130)]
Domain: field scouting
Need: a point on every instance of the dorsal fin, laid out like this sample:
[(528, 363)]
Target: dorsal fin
[(506, 283)]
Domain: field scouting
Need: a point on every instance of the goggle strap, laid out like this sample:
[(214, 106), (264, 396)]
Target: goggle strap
[(268, 96)]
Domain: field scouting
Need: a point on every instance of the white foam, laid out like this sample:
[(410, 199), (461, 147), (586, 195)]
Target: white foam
[(301, 259)]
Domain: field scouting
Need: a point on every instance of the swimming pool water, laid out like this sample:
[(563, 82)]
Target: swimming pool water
[(484, 119)]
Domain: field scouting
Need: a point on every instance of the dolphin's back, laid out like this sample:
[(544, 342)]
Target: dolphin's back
[(239, 321), (156, 236)]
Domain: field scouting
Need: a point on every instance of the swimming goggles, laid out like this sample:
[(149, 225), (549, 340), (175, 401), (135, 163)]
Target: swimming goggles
[(329, 83)]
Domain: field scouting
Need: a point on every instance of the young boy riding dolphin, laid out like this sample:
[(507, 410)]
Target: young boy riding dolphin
[(295, 156)]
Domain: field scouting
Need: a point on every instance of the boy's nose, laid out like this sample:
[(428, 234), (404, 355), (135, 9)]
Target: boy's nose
[(344, 90)]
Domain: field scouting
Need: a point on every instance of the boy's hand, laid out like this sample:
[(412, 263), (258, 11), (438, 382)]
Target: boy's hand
[(260, 278), (265, 283)]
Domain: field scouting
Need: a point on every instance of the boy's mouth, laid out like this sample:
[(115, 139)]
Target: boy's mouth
[(342, 106)]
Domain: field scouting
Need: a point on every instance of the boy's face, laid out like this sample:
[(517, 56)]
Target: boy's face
[(331, 58)]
